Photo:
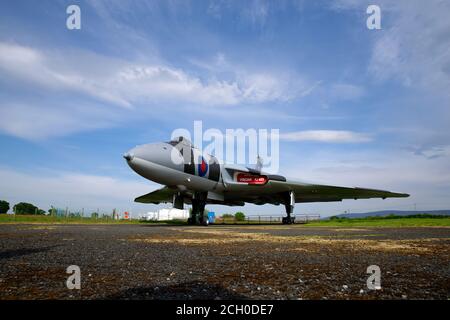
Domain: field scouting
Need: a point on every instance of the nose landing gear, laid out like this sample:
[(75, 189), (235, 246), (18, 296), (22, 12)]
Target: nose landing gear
[(198, 209), (288, 220)]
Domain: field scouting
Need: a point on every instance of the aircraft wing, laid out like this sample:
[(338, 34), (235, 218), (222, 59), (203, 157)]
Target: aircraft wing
[(319, 193), (165, 195), (162, 195), (304, 192), (274, 192)]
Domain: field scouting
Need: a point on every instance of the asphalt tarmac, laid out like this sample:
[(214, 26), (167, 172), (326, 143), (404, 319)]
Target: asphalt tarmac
[(223, 262)]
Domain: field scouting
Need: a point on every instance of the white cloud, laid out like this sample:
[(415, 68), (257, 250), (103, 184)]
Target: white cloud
[(75, 190), (426, 180), (84, 75), (412, 50), (36, 67), (414, 45), (126, 83), (258, 86), (329, 136), (39, 121), (139, 82)]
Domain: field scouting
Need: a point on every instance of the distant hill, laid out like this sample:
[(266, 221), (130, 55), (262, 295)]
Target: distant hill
[(394, 212)]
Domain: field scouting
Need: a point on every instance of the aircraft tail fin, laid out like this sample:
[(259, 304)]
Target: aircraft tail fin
[(259, 163)]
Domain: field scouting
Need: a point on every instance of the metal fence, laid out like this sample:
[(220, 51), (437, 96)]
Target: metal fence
[(259, 219)]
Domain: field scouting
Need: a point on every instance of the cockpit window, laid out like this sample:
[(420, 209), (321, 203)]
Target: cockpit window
[(180, 141)]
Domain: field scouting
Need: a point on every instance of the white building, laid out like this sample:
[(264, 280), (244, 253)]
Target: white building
[(165, 214)]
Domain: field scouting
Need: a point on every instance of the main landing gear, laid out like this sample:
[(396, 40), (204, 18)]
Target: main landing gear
[(198, 209), (289, 204)]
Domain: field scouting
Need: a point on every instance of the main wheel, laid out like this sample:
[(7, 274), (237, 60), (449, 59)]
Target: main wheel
[(288, 220)]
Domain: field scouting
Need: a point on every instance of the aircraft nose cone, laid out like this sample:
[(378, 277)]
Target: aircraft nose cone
[(128, 156)]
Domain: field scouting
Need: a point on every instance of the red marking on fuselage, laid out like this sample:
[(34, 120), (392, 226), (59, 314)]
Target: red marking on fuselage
[(203, 166), (252, 179)]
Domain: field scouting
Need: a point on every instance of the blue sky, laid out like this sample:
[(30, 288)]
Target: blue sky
[(72, 101)]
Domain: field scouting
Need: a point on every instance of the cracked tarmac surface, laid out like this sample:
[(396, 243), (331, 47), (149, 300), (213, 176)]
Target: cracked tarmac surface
[(223, 262)]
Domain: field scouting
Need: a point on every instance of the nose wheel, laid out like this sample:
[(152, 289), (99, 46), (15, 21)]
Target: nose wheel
[(288, 220), (198, 209)]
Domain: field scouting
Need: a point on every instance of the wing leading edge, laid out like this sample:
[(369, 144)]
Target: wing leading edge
[(303, 193), (162, 195), (318, 193), (165, 195)]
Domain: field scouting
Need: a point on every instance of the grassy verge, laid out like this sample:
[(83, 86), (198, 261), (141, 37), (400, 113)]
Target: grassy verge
[(37, 219), (363, 222), (10, 218), (382, 222)]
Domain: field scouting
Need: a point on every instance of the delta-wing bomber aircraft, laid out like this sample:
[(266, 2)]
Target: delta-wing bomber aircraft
[(193, 178)]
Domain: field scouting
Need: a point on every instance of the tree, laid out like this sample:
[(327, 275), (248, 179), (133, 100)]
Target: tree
[(4, 206), (25, 208), (239, 216), (227, 215), (52, 211)]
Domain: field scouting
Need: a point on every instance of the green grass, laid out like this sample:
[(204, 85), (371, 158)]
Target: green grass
[(382, 222), (10, 218), (36, 219), (391, 221)]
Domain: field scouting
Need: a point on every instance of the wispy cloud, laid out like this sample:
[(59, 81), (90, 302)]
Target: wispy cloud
[(261, 84), (327, 136), (38, 121), (73, 189), (414, 45), (431, 152), (146, 67), (33, 66), (111, 81), (124, 83), (426, 180)]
